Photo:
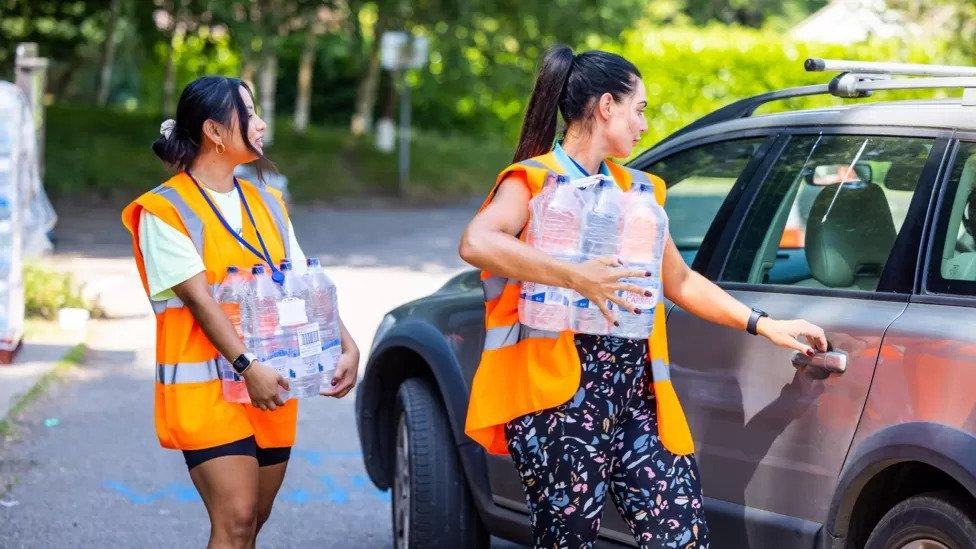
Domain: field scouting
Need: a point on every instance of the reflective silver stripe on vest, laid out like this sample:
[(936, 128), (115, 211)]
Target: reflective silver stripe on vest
[(493, 286), (160, 306), (192, 222), (660, 370), (637, 176), (496, 338), (278, 215), (532, 332), (503, 336), (186, 372), (530, 163)]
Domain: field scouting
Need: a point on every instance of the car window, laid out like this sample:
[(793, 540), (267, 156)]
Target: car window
[(698, 181), (953, 270), (828, 215)]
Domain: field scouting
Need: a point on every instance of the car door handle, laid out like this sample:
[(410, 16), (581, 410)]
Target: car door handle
[(834, 362)]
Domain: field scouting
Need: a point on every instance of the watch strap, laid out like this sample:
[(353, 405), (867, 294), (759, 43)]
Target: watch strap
[(754, 320)]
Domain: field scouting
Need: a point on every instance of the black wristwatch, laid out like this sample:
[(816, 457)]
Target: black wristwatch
[(754, 320), (243, 362)]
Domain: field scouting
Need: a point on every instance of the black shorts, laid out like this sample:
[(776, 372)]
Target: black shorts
[(244, 447)]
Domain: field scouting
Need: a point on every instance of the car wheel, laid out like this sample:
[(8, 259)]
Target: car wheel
[(937, 520), (432, 506)]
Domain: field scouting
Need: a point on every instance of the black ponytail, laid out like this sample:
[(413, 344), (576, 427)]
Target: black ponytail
[(215, 98), (571, 84)]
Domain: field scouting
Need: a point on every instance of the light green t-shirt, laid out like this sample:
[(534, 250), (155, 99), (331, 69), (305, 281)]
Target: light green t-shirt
[(170, 256)]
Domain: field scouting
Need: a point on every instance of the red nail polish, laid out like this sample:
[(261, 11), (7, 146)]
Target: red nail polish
[(810, 352), (334, 382), (615, 323), (647, 294), (637, 311)]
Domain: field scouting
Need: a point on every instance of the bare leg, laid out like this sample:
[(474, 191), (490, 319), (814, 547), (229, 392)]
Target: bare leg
[(269, 481), (229, 488)]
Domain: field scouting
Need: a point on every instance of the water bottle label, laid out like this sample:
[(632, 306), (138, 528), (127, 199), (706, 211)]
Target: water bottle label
[(538, 298), (309, 343), (291, 311), (582, 303)]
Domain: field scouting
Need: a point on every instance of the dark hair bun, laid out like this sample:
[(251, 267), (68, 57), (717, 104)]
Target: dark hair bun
[(173, 150)]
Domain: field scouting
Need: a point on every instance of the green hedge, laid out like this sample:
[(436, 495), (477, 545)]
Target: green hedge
[(107, 152)]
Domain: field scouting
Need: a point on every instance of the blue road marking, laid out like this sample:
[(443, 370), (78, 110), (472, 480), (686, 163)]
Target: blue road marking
[(334, 490)]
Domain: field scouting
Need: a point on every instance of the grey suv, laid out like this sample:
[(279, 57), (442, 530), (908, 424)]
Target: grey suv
[(859, 218)]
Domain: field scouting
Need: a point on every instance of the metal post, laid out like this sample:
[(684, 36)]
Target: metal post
[(30, 75), (403, 164)]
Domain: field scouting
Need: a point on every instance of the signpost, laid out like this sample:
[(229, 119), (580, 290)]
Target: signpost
[(399, 51)]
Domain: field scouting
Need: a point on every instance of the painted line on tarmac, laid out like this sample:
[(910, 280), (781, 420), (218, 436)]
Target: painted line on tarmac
[(333, 490)]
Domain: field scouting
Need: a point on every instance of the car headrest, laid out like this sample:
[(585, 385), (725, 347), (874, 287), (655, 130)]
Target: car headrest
[(855, 239)]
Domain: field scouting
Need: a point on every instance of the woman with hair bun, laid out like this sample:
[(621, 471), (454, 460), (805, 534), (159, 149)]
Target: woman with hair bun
[(185, 234)]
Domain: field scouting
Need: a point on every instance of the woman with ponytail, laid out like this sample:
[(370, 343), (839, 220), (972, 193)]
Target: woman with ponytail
[(584, 416), (186, 234)]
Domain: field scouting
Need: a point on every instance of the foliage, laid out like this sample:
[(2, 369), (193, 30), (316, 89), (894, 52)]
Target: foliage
[(46, 291), (689, 72), (106, 152)]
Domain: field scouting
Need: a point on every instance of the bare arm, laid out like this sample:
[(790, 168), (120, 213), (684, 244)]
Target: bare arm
[(702, 298), (262, 381), (490, 242)]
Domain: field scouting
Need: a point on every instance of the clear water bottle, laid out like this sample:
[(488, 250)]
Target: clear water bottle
[(554, 229), (267, 340), (602, 221), (231, 295), (302, 336), (643, 235), (323, 308)]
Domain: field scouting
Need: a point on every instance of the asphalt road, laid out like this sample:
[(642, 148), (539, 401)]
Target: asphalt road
[(85, 469)]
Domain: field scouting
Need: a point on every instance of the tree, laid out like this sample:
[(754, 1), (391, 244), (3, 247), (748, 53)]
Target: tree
[(108, 53)]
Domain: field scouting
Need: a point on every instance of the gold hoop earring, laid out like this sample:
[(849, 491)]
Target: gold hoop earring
[(220, 148)]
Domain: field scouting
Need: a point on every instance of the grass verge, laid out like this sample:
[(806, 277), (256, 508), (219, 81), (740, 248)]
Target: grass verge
[(72, 358)]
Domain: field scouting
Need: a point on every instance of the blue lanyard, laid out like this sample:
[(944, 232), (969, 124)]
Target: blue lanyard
[(577, 164), (276, 275)]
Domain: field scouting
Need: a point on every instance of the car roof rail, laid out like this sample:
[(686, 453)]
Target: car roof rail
[(857, 79)]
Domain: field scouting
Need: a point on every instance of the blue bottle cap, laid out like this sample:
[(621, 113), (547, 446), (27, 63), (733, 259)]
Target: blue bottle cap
[(312, 261), (285, 265), (257, 269), (232, 269)]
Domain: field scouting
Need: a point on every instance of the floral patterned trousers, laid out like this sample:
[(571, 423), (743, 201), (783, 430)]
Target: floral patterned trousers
[(604, 439)]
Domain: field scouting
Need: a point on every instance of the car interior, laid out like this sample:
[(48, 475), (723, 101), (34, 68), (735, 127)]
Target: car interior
[(848, 223), (959, 255)]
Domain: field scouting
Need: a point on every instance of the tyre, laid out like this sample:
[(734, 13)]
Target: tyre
[(937, 520), (432, 506)]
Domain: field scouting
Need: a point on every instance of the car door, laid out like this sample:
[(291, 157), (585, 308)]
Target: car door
[(699, 177), (824, 234)]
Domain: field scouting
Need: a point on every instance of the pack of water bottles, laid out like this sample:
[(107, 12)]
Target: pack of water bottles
[(292, 327), (589, 218)]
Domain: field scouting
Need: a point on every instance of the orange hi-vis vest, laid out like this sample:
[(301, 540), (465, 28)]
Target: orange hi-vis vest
[(524, 370), (190, 410)]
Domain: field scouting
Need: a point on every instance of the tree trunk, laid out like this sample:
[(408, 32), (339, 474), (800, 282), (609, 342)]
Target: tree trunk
[(362, 118), (169, 80), (306, 66), (267, 84), (108, 54)]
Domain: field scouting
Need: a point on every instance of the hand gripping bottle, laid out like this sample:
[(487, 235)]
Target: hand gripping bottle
[(644, 233), (602, 221), (323, 308), (231, 295), (266, 338), (554, 229)]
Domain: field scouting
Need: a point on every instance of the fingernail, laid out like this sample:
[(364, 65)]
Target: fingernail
[(637, 311), (334, 382), (810, 352), (615, 323), (647, 273), (647, 294)]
